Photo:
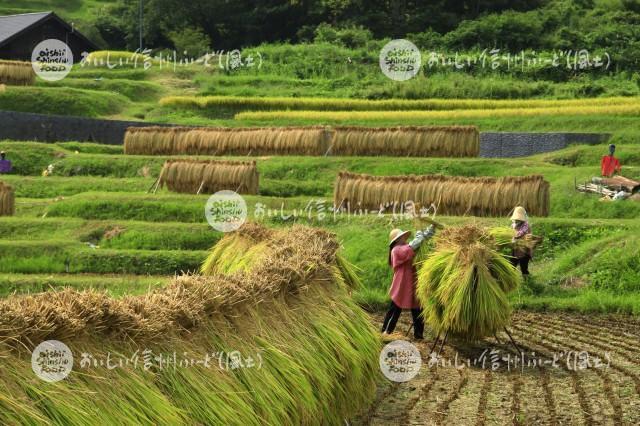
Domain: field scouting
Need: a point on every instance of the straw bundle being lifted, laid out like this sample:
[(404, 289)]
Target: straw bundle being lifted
[(7, 200), (463, 284), (452, 195), (227, 141), (428, 141), (302, 351), (16, 73), (192, 176)]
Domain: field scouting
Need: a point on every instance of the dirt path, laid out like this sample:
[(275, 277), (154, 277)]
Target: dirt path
[(550, 388)]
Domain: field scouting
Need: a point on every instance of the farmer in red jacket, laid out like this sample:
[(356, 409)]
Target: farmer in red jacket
[(610, 165), (403, 286)]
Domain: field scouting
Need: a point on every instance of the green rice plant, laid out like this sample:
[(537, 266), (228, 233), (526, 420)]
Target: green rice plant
[(463, 284)]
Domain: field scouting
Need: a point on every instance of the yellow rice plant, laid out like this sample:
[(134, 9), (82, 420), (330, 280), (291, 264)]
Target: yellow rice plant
[(7, 200), (433, 141), (117, 58), (630, 109), (451, 195), (16, 73), (250, 103), (314, 352), (227, 141), (194, 176)]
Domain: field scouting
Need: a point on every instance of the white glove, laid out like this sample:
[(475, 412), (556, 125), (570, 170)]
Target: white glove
[(417, 240), (429, 232)]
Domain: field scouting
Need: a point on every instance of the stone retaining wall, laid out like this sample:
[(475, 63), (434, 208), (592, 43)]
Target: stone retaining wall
[(57, 128)]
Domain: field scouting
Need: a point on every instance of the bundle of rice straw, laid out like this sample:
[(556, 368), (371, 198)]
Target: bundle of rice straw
[(504, 239), (464, 283), (453, 195), (314, 353), (227, 140), (195, 176), (407, 141), (7, 200), (16, 73)]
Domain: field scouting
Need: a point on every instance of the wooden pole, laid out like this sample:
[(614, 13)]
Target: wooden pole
[(200, 188), (513, 341)]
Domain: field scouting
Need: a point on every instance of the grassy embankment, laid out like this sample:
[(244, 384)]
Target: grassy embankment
[(96, 196)]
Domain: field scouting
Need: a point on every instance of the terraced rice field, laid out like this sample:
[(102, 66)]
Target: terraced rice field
[(544, 393)]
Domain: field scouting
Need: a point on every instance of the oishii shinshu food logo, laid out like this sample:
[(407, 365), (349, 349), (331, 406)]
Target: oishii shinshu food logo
[(52, 59)]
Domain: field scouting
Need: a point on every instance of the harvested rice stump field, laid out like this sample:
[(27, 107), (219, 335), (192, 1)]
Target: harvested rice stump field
[(544, 394)]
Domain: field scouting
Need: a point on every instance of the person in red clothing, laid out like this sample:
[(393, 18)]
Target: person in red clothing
[(403, 286), (610, 165)]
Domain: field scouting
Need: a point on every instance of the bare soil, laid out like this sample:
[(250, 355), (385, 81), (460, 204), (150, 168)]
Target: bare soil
[(577, 370)]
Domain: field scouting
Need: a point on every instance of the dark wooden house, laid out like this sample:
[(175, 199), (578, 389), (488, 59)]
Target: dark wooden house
[(19, 34)]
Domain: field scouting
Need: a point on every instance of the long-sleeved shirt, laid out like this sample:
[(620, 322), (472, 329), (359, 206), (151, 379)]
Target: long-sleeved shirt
[(403, 287), (5, 166), (609, 165), (521, 230)]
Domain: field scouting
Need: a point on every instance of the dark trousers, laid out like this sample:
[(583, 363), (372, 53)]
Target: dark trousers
[(523, 262), (391, 319)]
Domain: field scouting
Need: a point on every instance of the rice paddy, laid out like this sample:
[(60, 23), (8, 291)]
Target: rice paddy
[(625, 109), (17, 73), (473, 196), (347, 104), (195, 177)]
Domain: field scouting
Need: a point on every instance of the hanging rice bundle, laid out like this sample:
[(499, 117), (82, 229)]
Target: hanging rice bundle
[(302, 352), (7, 200), (227, 141), (452, 195), (193, 176), (463, 284), (434, 141), (17, 73)]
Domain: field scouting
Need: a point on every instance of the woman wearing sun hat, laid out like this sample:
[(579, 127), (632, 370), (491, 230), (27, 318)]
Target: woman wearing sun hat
[(520, 224), (403, 286)]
